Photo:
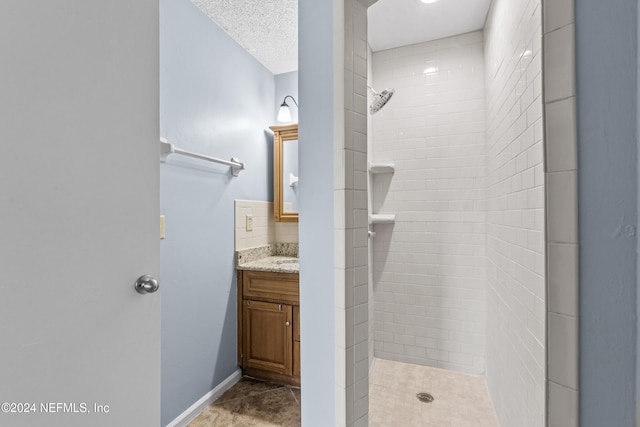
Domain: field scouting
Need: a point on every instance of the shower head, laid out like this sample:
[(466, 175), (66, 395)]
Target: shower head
[(380, 99)]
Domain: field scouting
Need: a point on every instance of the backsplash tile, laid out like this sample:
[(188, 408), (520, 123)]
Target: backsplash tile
[(263, 225), (265, 229), (286, 232)]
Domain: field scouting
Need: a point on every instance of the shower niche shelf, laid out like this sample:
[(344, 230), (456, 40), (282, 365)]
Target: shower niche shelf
[(378, 168), (382, 218)]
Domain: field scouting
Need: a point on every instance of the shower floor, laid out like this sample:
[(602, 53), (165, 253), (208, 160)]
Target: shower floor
[(460, 400)]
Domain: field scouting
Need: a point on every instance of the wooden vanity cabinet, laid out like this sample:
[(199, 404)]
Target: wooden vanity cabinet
[(267, 336), (269, 326), (296, 341)]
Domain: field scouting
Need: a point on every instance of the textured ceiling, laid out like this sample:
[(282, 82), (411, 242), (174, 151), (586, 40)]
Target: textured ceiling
[(267, 29), (395, 23)]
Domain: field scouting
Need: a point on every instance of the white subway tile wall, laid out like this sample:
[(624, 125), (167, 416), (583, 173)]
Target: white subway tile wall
[(265, 229), (562, 213), (516, 308), (351, 226), (429, 268), (369, 204)]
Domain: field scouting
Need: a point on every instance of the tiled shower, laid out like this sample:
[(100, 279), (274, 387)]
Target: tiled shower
[(459, 278), (429, 267)]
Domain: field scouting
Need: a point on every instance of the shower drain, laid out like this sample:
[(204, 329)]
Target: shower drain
[(424, 397)]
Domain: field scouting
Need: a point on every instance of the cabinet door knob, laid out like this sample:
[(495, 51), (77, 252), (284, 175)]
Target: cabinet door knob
[(287, 323)]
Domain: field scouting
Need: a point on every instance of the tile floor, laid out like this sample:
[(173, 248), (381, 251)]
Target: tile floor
[(253, 403), (460, 400)]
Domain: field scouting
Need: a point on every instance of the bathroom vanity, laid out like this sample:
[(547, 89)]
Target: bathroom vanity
[(269, 317)]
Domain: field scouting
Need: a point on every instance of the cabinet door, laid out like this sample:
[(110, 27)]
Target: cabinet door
[(268, 336)]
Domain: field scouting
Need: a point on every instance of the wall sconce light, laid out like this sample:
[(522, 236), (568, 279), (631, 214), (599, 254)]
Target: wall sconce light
[(284, 114)]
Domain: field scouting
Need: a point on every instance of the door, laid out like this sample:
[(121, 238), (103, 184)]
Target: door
[(79, 208), (268, 336)]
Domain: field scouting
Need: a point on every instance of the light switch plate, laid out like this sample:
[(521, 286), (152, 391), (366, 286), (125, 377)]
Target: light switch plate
[(249, 224), (161, 226)]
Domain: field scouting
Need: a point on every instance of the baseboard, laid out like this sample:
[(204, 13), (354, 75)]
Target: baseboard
[(194, 410)]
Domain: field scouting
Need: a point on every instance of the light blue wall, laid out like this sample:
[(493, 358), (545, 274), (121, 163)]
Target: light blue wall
[(606, 55), (316, 227), (218, 100), (287, 84)]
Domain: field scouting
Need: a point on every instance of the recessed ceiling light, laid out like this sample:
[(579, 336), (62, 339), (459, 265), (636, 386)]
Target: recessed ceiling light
[(427, 1)]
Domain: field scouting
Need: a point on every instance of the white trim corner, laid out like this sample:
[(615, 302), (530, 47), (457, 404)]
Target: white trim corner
[(194, 410)]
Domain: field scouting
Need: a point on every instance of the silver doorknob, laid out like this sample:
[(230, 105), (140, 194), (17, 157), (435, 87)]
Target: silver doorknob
[(146, 284)]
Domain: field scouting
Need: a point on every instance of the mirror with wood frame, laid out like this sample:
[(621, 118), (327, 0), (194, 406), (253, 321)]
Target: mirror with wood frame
[(285, 172)]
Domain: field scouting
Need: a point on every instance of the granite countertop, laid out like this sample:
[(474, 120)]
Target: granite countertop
[(276, 264), (277, 258)]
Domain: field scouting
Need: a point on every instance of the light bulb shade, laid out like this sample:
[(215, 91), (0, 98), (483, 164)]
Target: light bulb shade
[(284, 114)]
